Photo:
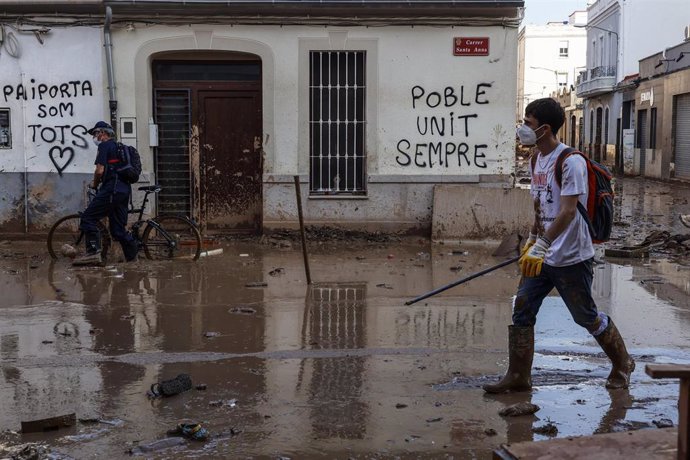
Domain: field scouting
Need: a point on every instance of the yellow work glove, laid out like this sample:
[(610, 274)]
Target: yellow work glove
[(531, 261), (528, 244)]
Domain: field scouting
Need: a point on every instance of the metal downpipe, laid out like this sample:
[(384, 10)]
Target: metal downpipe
[(108, 44)]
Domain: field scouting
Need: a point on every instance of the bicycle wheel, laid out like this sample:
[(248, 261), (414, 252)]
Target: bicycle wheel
[(66, 232), (171, 237)]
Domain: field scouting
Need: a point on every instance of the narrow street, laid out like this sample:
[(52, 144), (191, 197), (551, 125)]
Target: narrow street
[(341, 369)]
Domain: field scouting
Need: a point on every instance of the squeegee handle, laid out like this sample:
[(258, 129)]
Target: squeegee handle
[(463, 280)]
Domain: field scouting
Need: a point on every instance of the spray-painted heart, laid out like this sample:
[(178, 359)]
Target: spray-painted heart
[(61, 157)]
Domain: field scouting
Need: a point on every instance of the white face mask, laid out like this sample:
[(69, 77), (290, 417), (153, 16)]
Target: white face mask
[(527, 135), (96, 141)]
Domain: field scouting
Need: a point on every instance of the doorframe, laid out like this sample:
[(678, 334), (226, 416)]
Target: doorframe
[(139, 72), (195, 157)]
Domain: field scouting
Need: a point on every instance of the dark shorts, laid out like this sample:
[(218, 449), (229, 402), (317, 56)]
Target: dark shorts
[(573, 283)]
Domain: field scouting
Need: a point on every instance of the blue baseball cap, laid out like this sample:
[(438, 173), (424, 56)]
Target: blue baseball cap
[(101, 125)]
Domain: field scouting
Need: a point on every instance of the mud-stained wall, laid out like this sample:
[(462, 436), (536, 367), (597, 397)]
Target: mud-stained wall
[(473, 211), (51, 102), (430, 116), (457, 120), (393, 204), (428, 112)]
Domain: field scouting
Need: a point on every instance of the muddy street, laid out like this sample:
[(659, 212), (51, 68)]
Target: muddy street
[(341, 369)]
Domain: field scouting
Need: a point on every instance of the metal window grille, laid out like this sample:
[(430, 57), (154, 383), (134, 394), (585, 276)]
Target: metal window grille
[(173, 115), (5, 129), (337, 98)]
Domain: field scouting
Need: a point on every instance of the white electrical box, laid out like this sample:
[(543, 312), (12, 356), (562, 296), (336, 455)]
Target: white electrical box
[(153, 133)]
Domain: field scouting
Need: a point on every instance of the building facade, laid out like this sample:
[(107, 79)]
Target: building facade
[(228, 101), (572, 129), (616, 41), (549, 58), (662, 115)]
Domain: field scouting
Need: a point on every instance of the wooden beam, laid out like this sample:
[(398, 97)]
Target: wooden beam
[(682, 372), (668, 371), (641, 444)]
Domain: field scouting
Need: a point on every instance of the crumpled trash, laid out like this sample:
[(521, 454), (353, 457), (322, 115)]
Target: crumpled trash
[(685, 219), (663, 423), (277, 271), (221, 402), (68, 251), (516, 410), (242, 310), (255, 284), (550, 429), (35, 451)]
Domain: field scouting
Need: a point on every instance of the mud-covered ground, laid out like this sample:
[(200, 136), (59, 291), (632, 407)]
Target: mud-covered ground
[(339, 369)]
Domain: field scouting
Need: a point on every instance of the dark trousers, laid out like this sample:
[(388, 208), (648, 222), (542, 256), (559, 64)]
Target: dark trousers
[(114, 206), (573, 283)]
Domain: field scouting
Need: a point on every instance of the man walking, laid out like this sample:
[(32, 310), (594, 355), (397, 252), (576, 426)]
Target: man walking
[(112, 200), (559, 253)]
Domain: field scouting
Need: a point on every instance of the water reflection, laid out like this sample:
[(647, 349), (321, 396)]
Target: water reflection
[(519, 428), (617, 411), (337, 357), (651, 205), (336, 319), (647, 301)]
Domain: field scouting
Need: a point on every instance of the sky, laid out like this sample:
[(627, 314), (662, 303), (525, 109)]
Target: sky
[(542, 11)]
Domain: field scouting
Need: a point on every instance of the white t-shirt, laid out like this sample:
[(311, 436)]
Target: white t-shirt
[(574, 245)]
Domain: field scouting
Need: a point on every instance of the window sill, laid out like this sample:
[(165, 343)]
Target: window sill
[(338, 197)]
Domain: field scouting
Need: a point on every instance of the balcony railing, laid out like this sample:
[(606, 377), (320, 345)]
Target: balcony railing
[(603, 71), (597, 80)]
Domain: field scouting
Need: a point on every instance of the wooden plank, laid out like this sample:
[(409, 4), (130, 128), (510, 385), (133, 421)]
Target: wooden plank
[(684, 421), (626, 253), (651, 444), (49, 424), (632, 251), (668, 371)]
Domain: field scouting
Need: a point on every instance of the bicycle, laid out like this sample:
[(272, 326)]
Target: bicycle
[(167, 236)]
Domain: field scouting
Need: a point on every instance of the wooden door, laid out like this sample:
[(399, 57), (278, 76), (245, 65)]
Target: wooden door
[(230, 159)]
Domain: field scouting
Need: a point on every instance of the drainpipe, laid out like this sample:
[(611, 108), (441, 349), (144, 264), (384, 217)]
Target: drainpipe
[(107, 43)]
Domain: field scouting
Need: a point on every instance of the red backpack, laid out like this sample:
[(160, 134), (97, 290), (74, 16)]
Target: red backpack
[(599, 211)]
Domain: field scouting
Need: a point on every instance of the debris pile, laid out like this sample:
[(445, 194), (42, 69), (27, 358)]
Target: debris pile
[(659, 241), (318, 234)]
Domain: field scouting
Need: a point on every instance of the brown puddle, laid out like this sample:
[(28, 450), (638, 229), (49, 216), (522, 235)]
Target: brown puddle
[(340, 369)]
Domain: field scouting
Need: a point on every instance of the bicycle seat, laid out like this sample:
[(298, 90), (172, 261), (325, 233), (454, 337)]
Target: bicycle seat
[(151, 188)]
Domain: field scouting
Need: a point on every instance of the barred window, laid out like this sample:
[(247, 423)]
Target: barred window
[(337, 122), (5, 129)]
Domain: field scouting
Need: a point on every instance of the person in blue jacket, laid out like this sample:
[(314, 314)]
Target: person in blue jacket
[(111, 200)]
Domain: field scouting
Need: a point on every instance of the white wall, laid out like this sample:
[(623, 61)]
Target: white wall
[(54, 91), (402, 58), (417, 71), (649, 26), (542, 62)]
